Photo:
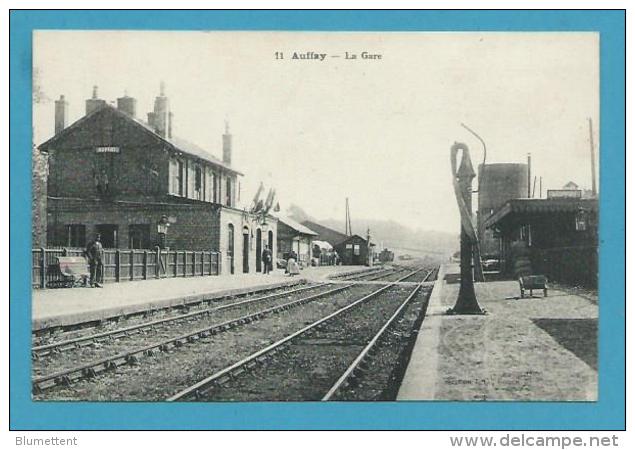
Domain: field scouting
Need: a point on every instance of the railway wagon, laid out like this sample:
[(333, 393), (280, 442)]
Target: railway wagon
[(386, 255)]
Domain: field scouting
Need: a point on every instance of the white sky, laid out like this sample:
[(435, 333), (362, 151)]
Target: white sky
[(378, 132)]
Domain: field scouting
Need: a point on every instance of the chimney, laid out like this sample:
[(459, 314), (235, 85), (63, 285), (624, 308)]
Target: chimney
[(161, 113), (61, 114), (94, 103), (227, 146), (170, 120), (127, 104)]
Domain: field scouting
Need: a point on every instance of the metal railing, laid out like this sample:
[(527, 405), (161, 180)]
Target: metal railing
[(127, 265)]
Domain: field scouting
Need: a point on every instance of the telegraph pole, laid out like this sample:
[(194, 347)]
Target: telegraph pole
[(593, 183)]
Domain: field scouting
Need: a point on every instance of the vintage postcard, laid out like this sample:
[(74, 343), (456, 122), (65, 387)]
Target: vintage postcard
[(317, 220), (306, 216)]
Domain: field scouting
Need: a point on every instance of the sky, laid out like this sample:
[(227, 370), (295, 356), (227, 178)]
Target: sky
[(377, 131)]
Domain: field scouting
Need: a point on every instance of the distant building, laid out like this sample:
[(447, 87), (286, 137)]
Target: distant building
[(570, 190), (353, 251), (557, 237), (129, 180)]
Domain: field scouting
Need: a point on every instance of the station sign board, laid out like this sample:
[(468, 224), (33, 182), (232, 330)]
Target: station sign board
[(107, 150), (564, 193)]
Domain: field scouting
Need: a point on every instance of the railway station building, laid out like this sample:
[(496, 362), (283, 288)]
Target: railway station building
[(556, 237), (140, 186), (297, 237)]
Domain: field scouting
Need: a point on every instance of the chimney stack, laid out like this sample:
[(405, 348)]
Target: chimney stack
[(127, 104), (159, 119), (227, 146), (94, 103), (61, 114)]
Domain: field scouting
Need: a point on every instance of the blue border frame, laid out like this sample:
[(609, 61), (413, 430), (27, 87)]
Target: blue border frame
[(608, 413)]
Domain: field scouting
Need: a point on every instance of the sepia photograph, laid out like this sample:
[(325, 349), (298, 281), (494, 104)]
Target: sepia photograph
[(306, 216)]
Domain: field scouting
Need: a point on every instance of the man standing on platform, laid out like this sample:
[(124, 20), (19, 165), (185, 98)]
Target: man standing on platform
[(95, 254), (266, 259)]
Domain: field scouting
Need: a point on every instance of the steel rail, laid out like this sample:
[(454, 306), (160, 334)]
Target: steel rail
[(93, 368), (356, 273), (70, 344), (201, 387), (355, 365), (367, 273), (428, 274), (394, 272)]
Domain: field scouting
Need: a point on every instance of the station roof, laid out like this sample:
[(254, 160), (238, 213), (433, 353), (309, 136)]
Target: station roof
[(354, 237), (175, 143), (296, 226), (535, 206), (329, 235)]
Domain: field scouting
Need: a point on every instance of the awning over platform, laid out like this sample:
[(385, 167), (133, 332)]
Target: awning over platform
[(525, 206)]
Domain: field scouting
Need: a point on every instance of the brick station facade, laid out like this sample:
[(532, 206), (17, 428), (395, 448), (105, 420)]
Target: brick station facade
[(113, 174)]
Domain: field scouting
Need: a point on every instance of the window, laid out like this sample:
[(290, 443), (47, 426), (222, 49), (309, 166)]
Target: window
[(177, 177), (198, 183), (103, 171), (139, 236), (349, 246), (214, 188), (228, 192), (76, 235), (581, 219), (356, 250)]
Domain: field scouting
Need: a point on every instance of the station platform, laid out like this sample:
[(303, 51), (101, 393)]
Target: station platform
[(68, 306), (522, 349)]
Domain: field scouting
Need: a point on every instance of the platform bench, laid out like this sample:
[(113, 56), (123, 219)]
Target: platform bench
[(74, 271), (531, 282)]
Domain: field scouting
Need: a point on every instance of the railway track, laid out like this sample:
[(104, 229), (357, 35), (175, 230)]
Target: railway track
[(136, 375), (429, 275), (355, 369), (95, 367), (201, 390), (53, 348), (388, 275)]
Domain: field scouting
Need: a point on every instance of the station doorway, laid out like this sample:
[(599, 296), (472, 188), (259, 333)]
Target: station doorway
[(258, 250), (245, 250), (230, 248)]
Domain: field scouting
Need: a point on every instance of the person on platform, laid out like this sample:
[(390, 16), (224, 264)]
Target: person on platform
[(95, 254), (292, 264), (266, 259)]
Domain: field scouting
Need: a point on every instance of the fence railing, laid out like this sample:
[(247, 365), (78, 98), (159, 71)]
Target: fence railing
[(127, 265), (577, 266)]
